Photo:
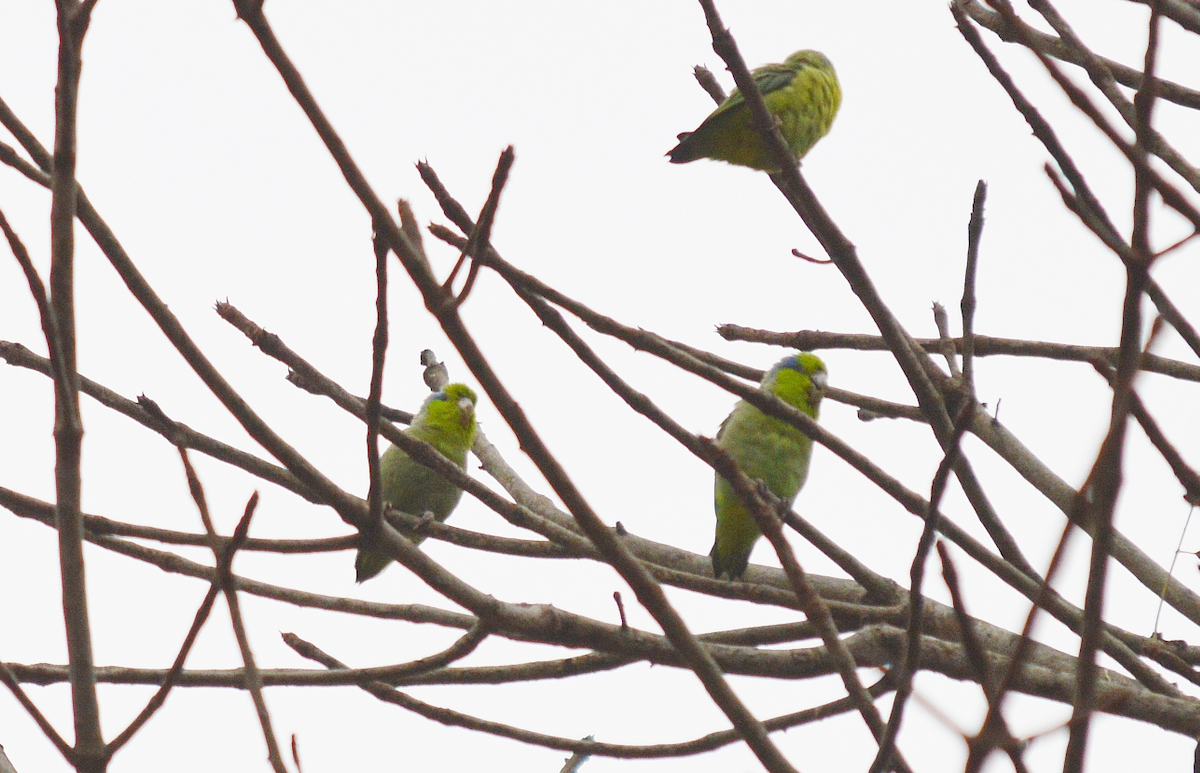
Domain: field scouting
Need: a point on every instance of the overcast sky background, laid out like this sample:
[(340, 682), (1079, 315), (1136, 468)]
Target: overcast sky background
[(194, 152)]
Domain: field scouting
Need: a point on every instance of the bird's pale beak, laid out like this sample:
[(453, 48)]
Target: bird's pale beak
[(466, 410)]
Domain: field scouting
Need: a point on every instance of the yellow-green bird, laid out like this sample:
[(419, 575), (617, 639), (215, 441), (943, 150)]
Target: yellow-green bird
[(802, 93), (446, 421), (766, 449)]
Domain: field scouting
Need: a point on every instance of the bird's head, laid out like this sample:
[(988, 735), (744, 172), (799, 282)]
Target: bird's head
[(799, 380), (808, 58), (451, 408)]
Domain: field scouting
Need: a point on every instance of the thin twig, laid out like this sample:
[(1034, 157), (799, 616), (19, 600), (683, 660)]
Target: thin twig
[(945, 344), (481, 234), (1187, 477), (1171, 570), (706, 743), (223, 552), (38, 291), (1135, 152), (996, 733), (463, 646), (1048, 44), (709, 83), (172, 677), (379, 344), (1041, 128), (1172, 314), (1102, 77), (916, 600), (14, 686), (967, 306)]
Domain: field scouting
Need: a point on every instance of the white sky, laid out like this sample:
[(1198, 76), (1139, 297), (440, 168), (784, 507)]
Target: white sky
[(195, 154)]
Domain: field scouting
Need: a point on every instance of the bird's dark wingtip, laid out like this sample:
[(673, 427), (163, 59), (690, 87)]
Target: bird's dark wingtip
[(678, 154)]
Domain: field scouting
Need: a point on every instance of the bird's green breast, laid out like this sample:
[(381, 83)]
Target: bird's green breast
[(767, 449), (412, 487), (806, 108)]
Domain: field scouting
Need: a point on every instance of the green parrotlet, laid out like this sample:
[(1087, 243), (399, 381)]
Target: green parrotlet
[(446, 421), (767, 449), (802, 93)]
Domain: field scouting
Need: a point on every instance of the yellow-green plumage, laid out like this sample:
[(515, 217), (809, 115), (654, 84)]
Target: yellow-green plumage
[(766, 449), (447, 422), (802, 93)]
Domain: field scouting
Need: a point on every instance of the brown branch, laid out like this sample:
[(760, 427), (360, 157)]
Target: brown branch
[(911, 663), (1172, 314), (759, 592), (709, 83), (877, 646), (995, 730), (223, 552), (458, 719), (465, 645), (1185, 13), (13, 683), (172, 677), (481, 234), (945, 346), (1088, 203), (379, 343), (73, 19), (1052, 46), (38, 291), (1099, 493), (985, 346), (1102, 77), (1187, 477), (967, 306), (322, 488), (1133, 152), (146, 413)]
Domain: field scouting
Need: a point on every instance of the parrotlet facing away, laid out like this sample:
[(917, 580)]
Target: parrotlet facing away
[(802, 93), (446, 421), (766, 449)]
